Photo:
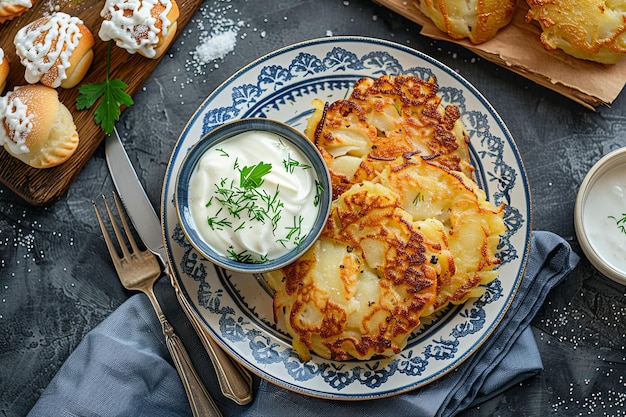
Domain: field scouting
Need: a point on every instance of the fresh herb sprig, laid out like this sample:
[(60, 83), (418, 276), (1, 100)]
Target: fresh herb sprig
[(113, 94), (252, 176), (620, 222), (291, 164)]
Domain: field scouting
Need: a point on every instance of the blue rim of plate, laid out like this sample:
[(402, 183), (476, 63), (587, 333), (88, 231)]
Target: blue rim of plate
[(234, 307)]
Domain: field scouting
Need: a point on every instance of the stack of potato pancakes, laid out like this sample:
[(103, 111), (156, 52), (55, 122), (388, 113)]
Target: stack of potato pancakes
[(409, 230)]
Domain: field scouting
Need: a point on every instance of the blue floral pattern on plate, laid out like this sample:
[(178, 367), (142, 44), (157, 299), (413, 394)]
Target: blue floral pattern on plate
[(236, 309)]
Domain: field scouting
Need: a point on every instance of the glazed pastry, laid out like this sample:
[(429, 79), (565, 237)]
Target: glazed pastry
[(56, 50), (36, 127), (146, 27), (4, 70), (10, 9), (477, 20), (594, 30)]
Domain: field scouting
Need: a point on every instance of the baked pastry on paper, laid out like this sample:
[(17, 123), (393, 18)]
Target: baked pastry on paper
[(477, 20), (594, 30)]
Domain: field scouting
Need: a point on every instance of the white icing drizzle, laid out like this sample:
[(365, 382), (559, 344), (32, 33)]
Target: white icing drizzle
[(26, 3), (1, 53), (131, 25), (14, 116), (48, 42)]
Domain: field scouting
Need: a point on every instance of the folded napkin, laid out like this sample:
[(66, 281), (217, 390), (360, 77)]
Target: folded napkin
[(123, 368)]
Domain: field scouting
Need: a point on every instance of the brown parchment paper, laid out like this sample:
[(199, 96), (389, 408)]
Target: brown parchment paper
[(517, 47)]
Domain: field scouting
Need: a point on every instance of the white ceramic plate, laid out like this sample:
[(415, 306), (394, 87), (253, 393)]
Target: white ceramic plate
[(236, 309)]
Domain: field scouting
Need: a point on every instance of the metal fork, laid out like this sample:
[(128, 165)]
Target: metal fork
[(138, 271)]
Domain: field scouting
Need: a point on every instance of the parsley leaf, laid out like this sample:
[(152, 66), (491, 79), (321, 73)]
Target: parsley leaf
[(252, 176), (113, 96)]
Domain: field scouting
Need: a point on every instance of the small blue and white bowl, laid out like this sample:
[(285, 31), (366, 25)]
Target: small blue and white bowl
[(222, 164)]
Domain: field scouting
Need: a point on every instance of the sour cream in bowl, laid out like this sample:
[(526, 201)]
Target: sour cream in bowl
[(600, 215), (253, 195)]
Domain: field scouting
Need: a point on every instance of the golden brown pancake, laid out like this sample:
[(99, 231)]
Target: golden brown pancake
[(383, 119), (409, 231)]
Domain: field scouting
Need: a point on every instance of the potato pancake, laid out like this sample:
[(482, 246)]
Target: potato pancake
[(409, 231), (383, 119), (362, 288)]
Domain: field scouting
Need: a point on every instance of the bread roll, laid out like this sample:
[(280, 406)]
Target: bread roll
[(478, 20), (56, 50), (36, 127), (4, 70), (594, 30), (146, 27), (10, 9)]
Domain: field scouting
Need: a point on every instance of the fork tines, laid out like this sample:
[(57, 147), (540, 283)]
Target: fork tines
[(120, 239)]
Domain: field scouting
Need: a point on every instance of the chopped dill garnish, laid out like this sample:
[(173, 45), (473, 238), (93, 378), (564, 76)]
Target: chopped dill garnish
[(296, 229), (291, 164), (222, 152), (319, 189), (295, 234), (245, 257), (215, 224), (620, 223), (243, 197), (419, 197)]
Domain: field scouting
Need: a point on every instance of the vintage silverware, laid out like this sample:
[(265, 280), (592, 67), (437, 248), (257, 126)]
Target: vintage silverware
[(138, 271), (234, 380)]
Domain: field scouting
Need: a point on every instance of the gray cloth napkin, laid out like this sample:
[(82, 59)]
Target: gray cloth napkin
[(123, 368)]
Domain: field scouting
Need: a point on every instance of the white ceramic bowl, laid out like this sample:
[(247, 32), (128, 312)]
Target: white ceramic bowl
[(234, 249), (600, 215)]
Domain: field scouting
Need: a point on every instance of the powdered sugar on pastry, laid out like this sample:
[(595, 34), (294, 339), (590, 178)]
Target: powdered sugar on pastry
[(134, 25), (14, 114), (46, 43)]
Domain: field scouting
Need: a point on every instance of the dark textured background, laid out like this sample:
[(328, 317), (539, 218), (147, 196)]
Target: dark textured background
[(57, 281)]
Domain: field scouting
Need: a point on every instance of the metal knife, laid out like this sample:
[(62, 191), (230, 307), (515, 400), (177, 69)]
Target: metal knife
[(234, 380)]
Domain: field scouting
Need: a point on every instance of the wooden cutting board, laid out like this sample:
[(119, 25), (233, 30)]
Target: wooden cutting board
[(44, 186)]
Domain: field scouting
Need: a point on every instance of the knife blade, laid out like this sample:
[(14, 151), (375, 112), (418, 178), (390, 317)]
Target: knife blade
[(234, 380), (136, 202)]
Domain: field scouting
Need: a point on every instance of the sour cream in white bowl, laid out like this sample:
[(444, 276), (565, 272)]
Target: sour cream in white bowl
[(600, 215)]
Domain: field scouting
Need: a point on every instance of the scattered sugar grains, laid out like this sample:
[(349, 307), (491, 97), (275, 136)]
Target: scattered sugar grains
[(215, 47), (606, 331), (53, 6), (21, 241), (217, 37)]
